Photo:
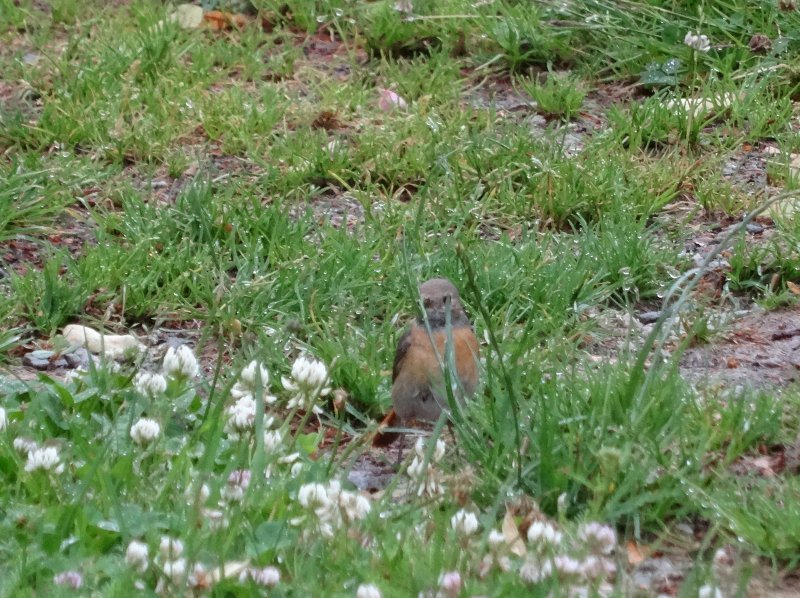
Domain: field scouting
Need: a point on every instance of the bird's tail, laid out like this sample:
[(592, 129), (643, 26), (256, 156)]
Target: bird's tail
[(383, 437)]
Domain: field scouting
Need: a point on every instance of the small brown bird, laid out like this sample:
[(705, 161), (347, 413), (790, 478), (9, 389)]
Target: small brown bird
[(418, 382)]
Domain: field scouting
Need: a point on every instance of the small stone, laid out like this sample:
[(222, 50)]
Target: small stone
[(649, 317), (77, 358), (754, 228), (38, 360)]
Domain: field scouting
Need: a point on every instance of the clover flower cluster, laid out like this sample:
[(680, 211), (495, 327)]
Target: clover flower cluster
[(308, 382), (585, 560), (331, 507), (145, 431), (427, 476), (180, 363), (173, 570), (40, 458), (697, 42), (464, 523)]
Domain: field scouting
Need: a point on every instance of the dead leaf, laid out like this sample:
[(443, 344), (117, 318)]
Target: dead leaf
[(794, 288), (511, 534), (112, 345), (732, 363), (702, 107), (228, 570), (636, 552), (219, 20)]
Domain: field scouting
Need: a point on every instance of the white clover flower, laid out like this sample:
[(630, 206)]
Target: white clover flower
[(136, 556), (334, 489), (415, 468), (307, 374), (404, 6), (149, 384), (543, 534), (368, 590), (69, 579), (24, 445), (73, 375), (354, 506), (170, 548), (314, 497), (592, 567), (191, 494), (332, 506), (699, 43), (216, 519), (241, 416), (599, 538), (304, 402), (429, 479), (497, 540), (709, 591), (249, 375), (145, 431), (562, 503), (199, 578), (180, 362), (438, 452), (268, 577), (45, 458), (419, 447), (532, 571), (309, 377), (464, 523), (273, 441), (3, 419), (566, 566), (238, 482), (175, 570), (450, 583)]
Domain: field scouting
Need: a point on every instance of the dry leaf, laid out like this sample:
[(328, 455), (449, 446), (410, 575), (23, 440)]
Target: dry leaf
[(219, 20), (112, 345), (229, 570), (511, 534), (702, 107), (794, 288), (636, 552)]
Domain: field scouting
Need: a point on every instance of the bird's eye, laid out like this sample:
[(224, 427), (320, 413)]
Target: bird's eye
[(426, 302)]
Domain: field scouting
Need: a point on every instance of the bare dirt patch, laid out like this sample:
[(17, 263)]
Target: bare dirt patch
[(762, 349)]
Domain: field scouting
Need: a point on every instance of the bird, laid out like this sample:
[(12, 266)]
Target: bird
[(418, 381)]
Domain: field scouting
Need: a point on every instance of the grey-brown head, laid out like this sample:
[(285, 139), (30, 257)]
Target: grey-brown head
[(439, 296)]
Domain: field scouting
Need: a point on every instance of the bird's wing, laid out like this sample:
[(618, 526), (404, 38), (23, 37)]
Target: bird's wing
[(403, 346)]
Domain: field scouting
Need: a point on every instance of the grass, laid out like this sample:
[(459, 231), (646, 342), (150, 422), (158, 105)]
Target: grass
[(247, 183)]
